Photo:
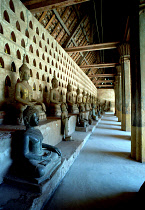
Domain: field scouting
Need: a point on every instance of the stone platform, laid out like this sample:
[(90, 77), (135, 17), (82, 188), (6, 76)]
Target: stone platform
[(17, 198)]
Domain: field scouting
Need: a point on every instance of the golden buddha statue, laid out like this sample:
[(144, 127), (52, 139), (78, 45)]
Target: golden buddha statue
[(55, 109), (72, 107), (23, 95)]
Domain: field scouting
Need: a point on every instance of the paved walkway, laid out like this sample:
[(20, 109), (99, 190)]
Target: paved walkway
[(103, 175)]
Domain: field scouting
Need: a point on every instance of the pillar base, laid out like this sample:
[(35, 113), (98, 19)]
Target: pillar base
[(119, 116), (138, 143), (126, 122)]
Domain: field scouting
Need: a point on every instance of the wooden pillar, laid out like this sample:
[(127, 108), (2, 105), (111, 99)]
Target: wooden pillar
[(116, 96), (137, 46), (126, 93), (119, 94)]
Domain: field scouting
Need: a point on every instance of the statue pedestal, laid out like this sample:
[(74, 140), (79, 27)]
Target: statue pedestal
[(35, 184), (68, 138), (82, 129)]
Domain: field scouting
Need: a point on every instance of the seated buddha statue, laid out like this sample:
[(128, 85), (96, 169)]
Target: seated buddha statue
[(88, 105), (55, 109), (94, 116), (72, 107), (24, 96), (33, 159), (81, 121), (78, 97)]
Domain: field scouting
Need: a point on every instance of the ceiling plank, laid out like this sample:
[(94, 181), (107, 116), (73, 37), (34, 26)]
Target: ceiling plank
[(100, 65), (44, 5), (93, 47)]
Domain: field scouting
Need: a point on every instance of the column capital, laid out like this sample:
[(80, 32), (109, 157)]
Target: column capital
[(124, 58)]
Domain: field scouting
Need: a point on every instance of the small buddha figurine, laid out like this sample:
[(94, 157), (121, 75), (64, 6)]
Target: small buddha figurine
[(72, 107), (34, 159), (23, 94), (55, 109), (64, 121), (81, 121)]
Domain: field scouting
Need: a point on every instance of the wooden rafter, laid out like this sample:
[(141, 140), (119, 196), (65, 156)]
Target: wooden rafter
[(93, 47), (50, 21), (101, 65), (101, 75), (44, 5)]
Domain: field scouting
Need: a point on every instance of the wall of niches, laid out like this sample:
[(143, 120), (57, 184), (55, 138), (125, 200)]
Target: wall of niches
[(21, 33)]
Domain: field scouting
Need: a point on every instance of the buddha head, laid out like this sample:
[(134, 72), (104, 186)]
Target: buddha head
[(69, 87), (30, 116), (24, 71), (54, 82)]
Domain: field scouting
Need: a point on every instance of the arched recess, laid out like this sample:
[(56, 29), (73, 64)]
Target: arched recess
[(7, 85), (7, 49), (6, 16), (11, 4), (13, 37), (18, 26), (22, 16), (34, 86), (1, 29), (13, 67), (18, 54), (1, 62)]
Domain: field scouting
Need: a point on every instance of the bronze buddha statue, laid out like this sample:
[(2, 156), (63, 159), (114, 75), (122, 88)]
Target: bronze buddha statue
[(33, 159)]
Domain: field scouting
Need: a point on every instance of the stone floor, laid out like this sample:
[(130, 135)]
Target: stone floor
[(103, 176)]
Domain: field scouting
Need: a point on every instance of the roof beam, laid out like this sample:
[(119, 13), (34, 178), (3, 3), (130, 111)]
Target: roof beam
[(104, 81), (101, 65), (93, 47), (101, 75), (104, 86), (44, 5)]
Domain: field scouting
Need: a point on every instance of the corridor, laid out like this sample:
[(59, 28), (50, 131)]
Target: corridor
[(103, 175)]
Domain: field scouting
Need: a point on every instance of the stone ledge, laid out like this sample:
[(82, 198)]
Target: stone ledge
[(24, 199)]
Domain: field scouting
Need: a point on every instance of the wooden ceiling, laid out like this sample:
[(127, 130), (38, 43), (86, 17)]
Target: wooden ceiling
[(71, 23)]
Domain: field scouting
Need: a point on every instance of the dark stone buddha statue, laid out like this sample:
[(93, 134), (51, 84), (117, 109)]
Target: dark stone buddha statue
[(32, 159)]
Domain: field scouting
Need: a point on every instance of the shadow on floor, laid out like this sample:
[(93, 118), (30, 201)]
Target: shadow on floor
[(110, 124), (104, 127), (124, 200), (122, 137)]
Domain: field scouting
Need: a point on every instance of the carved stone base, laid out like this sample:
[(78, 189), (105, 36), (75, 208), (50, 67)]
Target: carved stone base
[(67, 138), (35, 183), (82, 129)]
